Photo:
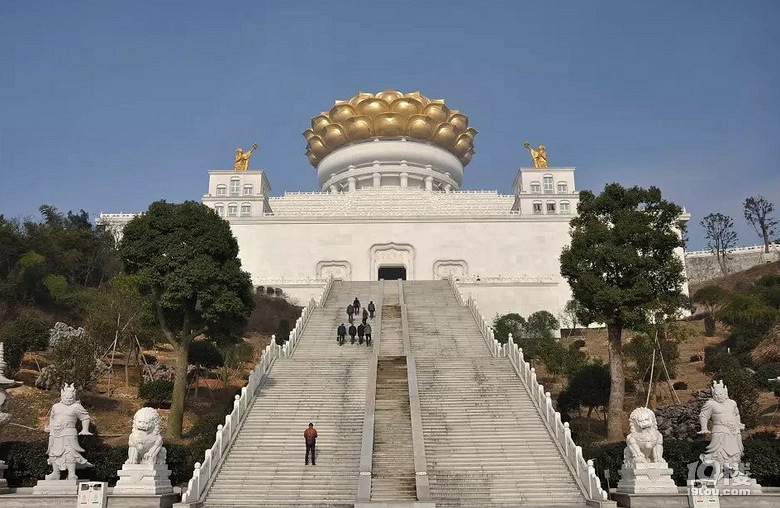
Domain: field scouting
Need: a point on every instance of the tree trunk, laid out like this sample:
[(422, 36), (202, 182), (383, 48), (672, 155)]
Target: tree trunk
[(617, 387), (766, 240), (176, 415)]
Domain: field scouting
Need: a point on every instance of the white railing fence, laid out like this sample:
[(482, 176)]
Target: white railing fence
[(326, 291), (560, 431), (484, 325), (204, 471)]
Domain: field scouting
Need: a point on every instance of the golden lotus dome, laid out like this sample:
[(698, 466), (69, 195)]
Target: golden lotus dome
[(389, 114)]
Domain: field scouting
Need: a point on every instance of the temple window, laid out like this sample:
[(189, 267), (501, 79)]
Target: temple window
[(548, 184), (234, 186), (232, 210), (537, 207), (221, 190), (562, 188), (246, 209), (565, 207), (219, 209), (551, 207), (247, 190), (536, 188)]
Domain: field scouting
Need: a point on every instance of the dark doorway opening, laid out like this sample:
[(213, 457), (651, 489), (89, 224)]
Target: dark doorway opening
[(392, 272)]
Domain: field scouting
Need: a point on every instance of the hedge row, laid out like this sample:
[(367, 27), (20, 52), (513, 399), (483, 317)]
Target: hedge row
[(27, 461), (762, 452)]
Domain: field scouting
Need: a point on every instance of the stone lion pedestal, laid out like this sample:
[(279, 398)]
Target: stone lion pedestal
[(145, 472), (143, 479), (647, 478)]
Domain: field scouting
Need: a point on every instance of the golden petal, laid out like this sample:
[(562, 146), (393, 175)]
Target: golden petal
[(359, 97), (389, 125), (334, 136), (437, 111), (420, 127), (341, 112), (318, 124), (445, 136), (313, 159), (308, 134), (467, 158), (461, 122), (389, 95), (471, 132), (318, 148), (406, 106), (463, 145), (359, 127), (372, 107)]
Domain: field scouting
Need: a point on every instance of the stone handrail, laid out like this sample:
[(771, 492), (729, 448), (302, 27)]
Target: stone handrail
[(326, 291), (582, 469), (484, 327), (708, 252), (205, 471)]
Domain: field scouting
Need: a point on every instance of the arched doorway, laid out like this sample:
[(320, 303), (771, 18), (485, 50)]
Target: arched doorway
[(391, 273)]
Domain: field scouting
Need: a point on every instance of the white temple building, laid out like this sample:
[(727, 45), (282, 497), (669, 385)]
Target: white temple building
[(391, 166)]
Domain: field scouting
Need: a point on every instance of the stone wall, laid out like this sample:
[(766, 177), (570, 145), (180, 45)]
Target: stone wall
[(702, 266)]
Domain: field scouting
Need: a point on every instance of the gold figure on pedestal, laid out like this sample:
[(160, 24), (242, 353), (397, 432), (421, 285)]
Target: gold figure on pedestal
[(242, 158), (539, 155)]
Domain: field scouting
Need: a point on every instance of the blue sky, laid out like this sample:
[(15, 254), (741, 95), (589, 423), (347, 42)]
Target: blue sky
[(108, 106)]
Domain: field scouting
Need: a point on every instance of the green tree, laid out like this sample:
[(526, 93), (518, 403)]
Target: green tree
[(719, 230), (710, 297), (508, 323), (118, 311), (622, 265), (590, 387), (758, 212), (186, 260)]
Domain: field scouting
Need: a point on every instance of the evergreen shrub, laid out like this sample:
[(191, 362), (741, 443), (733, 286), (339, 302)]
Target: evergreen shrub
[(156, 393)]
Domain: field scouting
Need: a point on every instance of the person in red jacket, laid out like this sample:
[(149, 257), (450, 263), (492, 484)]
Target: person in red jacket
[(310, 435)]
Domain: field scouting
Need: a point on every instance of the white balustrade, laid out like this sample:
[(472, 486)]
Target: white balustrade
[(205, 471), (560, 431)]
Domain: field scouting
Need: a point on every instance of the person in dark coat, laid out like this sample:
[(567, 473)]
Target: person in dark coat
[(361, 330), (371, 309), (310, 435), (342, 334), (352, 332), (350, 311), (367, 331), (365, 315), (356, 305)]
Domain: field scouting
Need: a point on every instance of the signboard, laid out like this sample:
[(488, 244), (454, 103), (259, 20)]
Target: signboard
[(92, 495)]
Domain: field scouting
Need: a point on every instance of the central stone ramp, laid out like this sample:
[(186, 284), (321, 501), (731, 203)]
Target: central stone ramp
[(392, 471), (485, 442), (322, 383)]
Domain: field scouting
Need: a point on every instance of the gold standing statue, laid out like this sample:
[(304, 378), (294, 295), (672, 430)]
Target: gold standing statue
[(242, 158), (539, 155)]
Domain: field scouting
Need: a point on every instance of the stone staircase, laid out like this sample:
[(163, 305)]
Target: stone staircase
[(485, 442), (321, 383)]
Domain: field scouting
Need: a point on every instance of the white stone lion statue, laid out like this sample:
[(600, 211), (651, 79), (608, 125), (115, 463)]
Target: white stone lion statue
[(644, 442), (145, 443)]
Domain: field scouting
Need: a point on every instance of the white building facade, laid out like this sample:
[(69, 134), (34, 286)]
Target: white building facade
[(390, 167)]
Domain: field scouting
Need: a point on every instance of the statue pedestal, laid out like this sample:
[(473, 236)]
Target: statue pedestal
[(646, 478), (3, 481), (56, 488), (740, 483), (144, 479)]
